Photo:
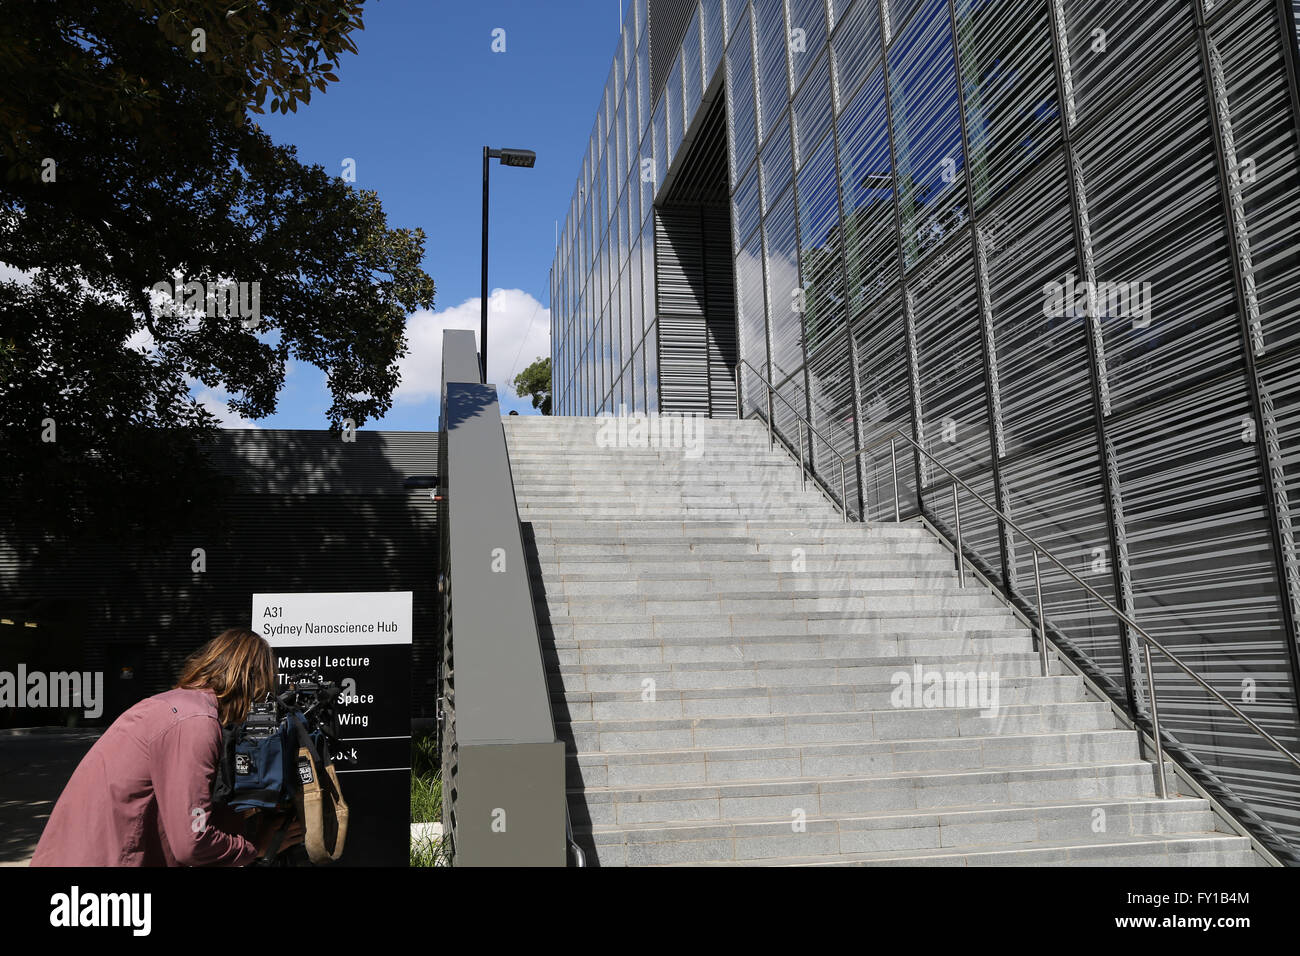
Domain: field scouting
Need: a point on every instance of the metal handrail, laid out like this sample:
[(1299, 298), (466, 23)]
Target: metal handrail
[(1148, 641), (579, 858), (803, 471)]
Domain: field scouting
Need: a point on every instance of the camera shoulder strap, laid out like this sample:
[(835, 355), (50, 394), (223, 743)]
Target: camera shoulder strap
[(319, 800)]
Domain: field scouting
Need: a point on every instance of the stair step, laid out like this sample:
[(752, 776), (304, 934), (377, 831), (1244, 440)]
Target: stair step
[(756, 701), (778, 798), (818, 836), (774, 642), (815, 761), (779, 730), (809, 649), (777, 675), (1172, 850)]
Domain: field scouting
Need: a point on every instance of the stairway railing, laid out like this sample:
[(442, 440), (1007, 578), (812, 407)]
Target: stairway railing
[(1007, 526), (803, 421), (1148, 642)]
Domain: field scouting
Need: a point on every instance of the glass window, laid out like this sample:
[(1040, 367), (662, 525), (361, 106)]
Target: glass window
[(740, 103), (783, 296), (927, 132), (673, 94), (867, 187), (807, 35), (856, 46), (821, 266), (713, 42), (812, 111), (1009, 90), (745, 209), (773, 68), (776, 164), (692, 69)]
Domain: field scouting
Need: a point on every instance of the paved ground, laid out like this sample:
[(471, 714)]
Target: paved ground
[(34, 766)]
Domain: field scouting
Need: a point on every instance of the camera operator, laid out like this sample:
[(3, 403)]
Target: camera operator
[(142, 795)]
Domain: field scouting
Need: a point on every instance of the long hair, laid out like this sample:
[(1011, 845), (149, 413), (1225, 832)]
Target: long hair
[(238, 666)]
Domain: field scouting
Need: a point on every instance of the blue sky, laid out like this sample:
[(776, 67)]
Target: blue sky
[(414, 108)]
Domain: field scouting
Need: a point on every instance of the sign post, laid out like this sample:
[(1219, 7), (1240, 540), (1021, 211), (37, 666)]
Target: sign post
[(362, 642)]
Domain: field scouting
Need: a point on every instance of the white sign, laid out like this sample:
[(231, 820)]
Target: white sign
[(333, 619)]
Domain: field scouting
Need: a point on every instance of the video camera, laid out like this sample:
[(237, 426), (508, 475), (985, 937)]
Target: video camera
[(263, 767), (315, 699)]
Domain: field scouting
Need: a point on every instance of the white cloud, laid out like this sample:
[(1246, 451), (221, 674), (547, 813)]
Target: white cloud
[(215, 401), (519, 330)]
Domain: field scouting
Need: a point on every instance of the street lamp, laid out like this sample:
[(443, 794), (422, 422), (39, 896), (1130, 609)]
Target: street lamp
[(509, 157)]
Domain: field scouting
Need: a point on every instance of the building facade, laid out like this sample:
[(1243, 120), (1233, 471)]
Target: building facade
[(1057, 242)]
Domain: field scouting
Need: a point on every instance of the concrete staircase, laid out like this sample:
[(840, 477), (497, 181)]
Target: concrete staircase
[(725, 657)]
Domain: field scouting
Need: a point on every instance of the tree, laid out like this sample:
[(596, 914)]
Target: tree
[(131, 167), (535, 382)]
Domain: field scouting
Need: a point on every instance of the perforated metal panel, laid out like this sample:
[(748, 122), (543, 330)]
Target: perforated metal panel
[(668, 22)]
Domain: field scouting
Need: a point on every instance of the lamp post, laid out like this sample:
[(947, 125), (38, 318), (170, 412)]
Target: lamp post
[(508, 157)]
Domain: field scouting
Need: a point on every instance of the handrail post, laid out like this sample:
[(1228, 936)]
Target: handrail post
[(803, 475), (1155, 723), (844, 499), (771, 443), (956, 512), (1042, 616), (893, 467)]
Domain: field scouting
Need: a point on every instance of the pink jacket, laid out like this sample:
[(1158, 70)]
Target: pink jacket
[(141, 796)]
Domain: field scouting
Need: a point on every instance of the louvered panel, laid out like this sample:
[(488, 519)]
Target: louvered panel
[(752, 321), (776, 164), (1263, 151), (697, 338), (713, 41), (741, 126), (830, 392), (927, 132), (1161, 251), (1009, 88), (668, 22), (807, 35), (1112, 45), (1044, 388), (745, 208), (953, 404), (867, 185), (683, 353), (1204, 584), (773, 70), (884, 404), (1056, 494), (821, 261), (692, 69), (781, 249), (720, 312), (855, 47), (812, 114)]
